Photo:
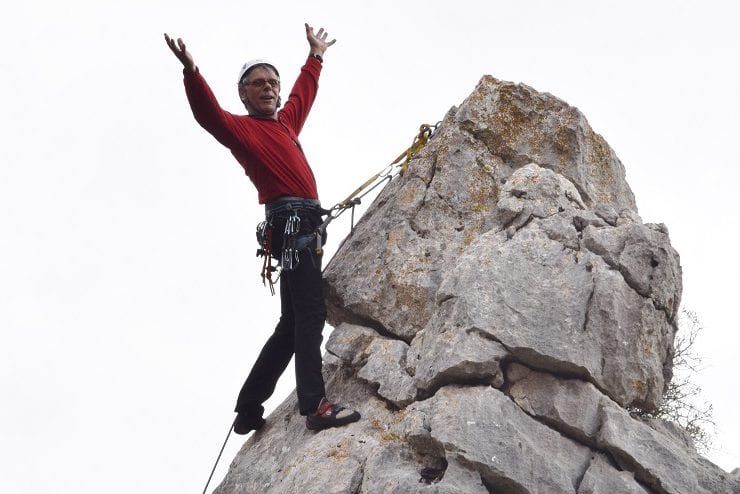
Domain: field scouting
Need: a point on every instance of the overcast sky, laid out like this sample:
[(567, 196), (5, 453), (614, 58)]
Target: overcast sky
[(131, 308)]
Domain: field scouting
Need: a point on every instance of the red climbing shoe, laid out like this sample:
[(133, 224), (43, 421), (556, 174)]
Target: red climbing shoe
[(330, 415)]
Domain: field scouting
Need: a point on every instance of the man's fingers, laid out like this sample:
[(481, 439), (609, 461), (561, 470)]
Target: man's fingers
[(319, 36), (172, 44)]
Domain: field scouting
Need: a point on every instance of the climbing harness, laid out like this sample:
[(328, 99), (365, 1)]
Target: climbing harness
[(293, 242)]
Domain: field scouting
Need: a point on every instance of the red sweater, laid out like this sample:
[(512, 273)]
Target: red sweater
[(267, 149)]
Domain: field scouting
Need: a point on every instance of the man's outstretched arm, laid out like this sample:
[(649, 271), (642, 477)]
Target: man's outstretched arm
[(302, 96), (206, 110), (181, 52), (317, 42)]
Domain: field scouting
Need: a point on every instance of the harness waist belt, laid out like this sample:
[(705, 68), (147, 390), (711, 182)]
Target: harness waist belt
[(285, 203)]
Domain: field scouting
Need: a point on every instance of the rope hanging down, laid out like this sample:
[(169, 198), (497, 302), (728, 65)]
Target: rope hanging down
[(231, 428), (382, 177)]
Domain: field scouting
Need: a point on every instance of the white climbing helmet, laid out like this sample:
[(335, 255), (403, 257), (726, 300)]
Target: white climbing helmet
[(257, 61)]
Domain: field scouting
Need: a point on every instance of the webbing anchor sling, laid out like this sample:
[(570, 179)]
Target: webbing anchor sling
[(384, 176)]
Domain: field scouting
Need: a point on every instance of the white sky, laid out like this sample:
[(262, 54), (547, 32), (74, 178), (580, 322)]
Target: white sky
[(130, 304)]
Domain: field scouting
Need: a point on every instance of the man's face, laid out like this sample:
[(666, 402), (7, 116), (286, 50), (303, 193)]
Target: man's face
[(259, 91)]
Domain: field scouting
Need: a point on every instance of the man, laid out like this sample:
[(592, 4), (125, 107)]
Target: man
[(265, 142)]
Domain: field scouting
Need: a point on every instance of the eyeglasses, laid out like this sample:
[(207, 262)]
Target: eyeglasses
[(260, 83)]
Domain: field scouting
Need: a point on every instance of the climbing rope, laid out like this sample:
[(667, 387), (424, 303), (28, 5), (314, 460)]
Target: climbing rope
[(425, 132), (231, 428), (383, 177)]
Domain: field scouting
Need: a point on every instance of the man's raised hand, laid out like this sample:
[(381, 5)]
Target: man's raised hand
[(181, 52), (317, 41)]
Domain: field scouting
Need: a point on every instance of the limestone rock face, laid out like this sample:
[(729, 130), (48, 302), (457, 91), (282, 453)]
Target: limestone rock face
[(496, 311)]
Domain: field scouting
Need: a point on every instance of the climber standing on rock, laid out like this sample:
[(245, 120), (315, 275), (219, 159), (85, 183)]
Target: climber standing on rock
[(265, 143)]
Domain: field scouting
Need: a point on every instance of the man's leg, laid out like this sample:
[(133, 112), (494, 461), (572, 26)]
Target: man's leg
[(309, 309), (271, 363)]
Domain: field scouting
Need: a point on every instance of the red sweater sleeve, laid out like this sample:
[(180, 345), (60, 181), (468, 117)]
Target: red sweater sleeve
[(206, 110), (302, 96)]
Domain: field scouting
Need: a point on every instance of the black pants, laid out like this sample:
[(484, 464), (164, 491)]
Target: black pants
[(302, 317)]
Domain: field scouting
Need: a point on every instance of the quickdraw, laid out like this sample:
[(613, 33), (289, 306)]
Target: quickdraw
[(264, 239), (290, 250)]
